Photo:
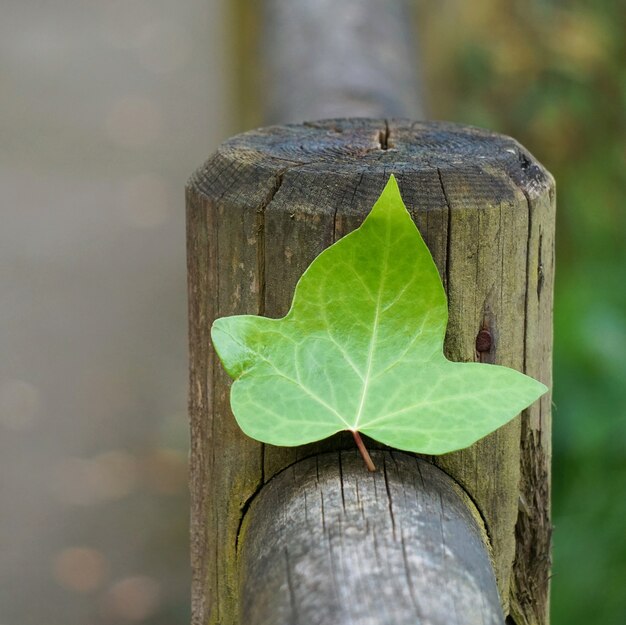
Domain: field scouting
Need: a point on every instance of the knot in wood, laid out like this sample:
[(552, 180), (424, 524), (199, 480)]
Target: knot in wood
[(483, 341)]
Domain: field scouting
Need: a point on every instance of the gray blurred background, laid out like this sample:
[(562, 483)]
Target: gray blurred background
[(106, 109)]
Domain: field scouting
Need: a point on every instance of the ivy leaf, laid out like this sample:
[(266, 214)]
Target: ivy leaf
[(361, 349)]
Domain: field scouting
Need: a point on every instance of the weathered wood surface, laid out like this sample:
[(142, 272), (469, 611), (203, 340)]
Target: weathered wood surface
[(530, 584), (266, 204), (334, 58), (326, 542)]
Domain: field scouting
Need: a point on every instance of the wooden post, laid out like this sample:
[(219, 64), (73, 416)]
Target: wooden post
[(263, 207)]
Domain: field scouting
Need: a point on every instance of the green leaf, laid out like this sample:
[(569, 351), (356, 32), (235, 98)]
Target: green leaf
[(361, 349)]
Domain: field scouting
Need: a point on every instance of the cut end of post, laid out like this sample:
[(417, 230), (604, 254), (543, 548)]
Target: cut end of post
[(363, 450)]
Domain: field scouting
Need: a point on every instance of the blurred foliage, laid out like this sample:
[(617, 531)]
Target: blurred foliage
[(552, 74)]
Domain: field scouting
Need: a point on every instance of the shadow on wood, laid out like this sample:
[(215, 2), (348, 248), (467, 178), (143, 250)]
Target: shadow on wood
[(327, 542)]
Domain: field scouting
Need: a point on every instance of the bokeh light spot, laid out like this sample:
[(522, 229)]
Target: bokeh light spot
[(166, 471), (133, 598), (79, 569), (84, 482)]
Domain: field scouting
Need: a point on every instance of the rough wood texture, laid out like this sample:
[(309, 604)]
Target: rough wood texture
[(396, 547), (266, 204), (531, 570), (332, 58)]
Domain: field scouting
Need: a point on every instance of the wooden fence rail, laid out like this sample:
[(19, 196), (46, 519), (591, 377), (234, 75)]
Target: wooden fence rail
[(328, 542), (258, 212), (334, 58)]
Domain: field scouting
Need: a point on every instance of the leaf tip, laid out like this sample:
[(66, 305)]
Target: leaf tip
[(390, 203), (542, 389), (392, 188)]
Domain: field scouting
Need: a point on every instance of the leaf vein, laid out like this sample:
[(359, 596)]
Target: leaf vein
[(372, 346)]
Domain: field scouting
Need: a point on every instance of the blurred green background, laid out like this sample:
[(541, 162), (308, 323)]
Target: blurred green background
[(106, 108)]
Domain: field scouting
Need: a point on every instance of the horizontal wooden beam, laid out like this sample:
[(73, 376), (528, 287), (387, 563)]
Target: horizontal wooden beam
[(338, 58), (327, 542)]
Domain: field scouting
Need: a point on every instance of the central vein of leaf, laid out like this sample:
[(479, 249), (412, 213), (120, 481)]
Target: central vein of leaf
[(374, 337)]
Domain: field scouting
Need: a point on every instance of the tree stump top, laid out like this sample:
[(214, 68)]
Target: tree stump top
[(342, 146)]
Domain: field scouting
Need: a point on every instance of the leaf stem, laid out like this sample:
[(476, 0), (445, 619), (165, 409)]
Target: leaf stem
[(364, 453)]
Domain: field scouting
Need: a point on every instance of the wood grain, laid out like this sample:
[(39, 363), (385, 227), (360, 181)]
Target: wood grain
[(266, 204), (326, 542)]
